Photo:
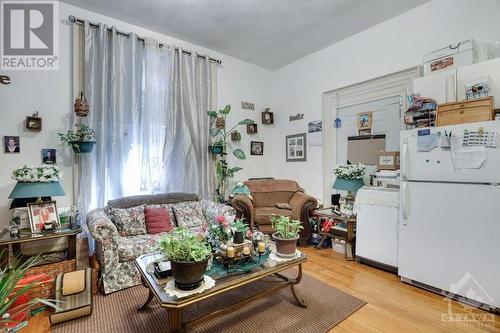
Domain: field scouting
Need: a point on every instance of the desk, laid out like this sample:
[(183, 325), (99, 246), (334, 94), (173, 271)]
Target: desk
[(27, 236), (347, 233)]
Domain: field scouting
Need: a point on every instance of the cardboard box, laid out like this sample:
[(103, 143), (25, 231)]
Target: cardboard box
[(388, 160)]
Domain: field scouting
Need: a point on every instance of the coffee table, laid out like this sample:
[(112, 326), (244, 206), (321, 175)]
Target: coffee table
[(223, 283)]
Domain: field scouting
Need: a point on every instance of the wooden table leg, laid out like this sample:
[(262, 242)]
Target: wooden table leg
[(174, 320), (70, 254), (298, 298), (150, 298), (323, 238), (4, 258)]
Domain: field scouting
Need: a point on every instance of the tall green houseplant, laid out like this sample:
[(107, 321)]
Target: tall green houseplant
[(220, 148)]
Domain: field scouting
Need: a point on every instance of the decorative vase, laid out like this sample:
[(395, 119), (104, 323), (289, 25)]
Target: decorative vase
[(220, 122), (81, 106), (188, 275), (238, 237), (82, 147), (285, 247)]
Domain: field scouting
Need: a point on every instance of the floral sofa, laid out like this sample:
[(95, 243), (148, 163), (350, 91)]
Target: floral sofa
[(120, 233)]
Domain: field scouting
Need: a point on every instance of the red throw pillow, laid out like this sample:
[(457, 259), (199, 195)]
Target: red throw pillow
[(157, 220)]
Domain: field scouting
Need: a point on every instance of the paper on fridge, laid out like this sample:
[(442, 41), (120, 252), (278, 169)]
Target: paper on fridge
[(466, 157)]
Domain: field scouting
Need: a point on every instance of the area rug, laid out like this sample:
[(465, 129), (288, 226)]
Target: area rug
[(275, 313)]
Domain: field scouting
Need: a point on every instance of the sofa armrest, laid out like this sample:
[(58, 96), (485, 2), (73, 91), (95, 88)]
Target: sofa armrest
[(211, 209), (302, 206), (244, 208), (105, 234)]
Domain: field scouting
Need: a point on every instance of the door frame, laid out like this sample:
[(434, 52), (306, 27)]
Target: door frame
[(396, 84)]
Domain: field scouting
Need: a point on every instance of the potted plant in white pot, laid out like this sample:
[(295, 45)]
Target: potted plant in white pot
[(81, 138), (286, 235), (188, 255)]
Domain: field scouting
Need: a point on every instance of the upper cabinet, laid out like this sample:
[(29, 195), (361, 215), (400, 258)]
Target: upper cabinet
[(449, 85)]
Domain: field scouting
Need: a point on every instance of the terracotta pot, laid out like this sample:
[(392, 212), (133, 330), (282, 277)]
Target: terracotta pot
[(285, 247), (188, 275)]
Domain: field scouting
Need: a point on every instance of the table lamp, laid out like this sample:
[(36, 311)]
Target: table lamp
[(349, 185), (36, 190)]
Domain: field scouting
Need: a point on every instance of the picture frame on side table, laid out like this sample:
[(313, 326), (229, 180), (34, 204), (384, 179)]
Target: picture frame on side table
[(256, 148), (296, 148), (43, 216)]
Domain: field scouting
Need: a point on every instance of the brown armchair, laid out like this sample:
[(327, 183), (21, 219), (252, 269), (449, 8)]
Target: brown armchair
[(265, 195)]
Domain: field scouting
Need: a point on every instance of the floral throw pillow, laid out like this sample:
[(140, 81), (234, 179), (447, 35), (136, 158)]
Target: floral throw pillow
[(189, 214), (128, 221)]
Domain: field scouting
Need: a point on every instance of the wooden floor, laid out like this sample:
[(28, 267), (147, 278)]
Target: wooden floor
[(393, 306)]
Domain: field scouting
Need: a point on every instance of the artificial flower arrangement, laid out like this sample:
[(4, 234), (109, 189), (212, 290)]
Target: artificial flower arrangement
[(350, 171), (224, 228), (40, 174)]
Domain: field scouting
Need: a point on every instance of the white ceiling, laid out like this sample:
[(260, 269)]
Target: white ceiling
[(268, 33)]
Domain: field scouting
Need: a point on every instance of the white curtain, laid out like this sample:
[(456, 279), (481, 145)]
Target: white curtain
[(148, 106), (189, 165)]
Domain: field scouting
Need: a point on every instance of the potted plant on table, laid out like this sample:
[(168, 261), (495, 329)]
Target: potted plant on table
[(81, 138), (286, 235), (188, 255)]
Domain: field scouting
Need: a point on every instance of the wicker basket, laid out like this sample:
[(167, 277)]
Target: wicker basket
[(46, 289), (96, 270)]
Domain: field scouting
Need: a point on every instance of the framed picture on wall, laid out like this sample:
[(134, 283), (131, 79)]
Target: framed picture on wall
[(296, 148), (11, 144), (256, 148), (364, 120)]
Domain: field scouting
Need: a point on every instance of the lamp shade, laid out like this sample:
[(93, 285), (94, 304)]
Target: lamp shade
[(34, 190), (351, 185)]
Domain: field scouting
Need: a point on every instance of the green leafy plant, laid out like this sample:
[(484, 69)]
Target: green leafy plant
[(220, 135), (184, 245), (80, 133), (239, 225), (9, 279), (285, 227)]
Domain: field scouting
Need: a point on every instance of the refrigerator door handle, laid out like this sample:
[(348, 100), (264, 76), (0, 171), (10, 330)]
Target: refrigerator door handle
[(405, 202), (405, 163)]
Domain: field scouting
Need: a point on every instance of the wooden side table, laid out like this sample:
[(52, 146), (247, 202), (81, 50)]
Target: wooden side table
[(338, 230), (27, 236)]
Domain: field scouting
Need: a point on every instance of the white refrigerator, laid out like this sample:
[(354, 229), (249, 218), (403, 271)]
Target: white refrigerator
[(449, 226)]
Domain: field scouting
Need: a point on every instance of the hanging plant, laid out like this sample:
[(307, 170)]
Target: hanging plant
[(81, 139), (220, 134), (81, 106)]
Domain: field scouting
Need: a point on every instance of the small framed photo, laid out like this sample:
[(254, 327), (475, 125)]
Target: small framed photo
[(12, 144), (252, 128), (43, 216), (296, 148), (267, 117), (364, 120), (256, 148), (34, 123), (48, 156)]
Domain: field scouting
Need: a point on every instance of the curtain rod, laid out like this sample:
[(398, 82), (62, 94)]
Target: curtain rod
[(80, 21)]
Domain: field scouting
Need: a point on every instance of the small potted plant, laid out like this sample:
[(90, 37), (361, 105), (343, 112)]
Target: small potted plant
[(188, 255), (286, 235), (239, 228), (81, 138), (217, 147)]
